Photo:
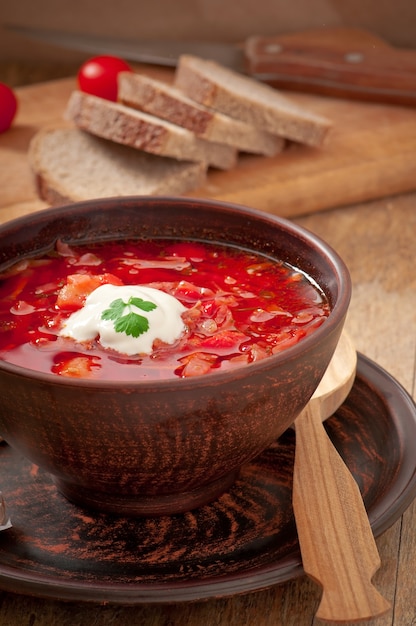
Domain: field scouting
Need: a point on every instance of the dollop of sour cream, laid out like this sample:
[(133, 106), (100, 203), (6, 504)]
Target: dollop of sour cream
[(164, 320)]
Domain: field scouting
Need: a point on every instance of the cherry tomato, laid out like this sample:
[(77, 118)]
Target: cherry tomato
[(8, 107), (98, 76)]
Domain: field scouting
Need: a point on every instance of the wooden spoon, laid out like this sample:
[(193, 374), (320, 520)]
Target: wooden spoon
[(4, 519), (336, 541), (2, 510)]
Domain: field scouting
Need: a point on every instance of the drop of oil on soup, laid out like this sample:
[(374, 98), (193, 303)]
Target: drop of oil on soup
[(152, 309)]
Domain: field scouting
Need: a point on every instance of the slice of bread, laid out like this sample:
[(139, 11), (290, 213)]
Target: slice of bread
[(247, 99), (160, 99), (71, 165), (136, 129)]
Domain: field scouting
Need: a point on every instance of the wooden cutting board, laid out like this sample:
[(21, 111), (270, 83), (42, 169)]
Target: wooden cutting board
[(370, 153)]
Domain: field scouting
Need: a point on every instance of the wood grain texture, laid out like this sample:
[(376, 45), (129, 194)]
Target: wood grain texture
[(243, 542), (339, 62), (337, 544), (369, 154), (377, 241), (338, 549)]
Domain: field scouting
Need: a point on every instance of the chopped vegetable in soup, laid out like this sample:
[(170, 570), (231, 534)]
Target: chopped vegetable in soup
[(152, 309)]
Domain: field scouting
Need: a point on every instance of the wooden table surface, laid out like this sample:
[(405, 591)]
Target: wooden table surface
[(378, 242)]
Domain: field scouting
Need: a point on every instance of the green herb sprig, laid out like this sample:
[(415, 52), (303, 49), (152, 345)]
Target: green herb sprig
[(130, 323)]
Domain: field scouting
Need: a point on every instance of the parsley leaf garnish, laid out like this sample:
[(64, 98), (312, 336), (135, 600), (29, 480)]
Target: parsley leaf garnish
[(131, 323)]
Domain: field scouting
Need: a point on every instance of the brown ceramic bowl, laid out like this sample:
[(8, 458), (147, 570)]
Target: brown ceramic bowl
[(165, 446)]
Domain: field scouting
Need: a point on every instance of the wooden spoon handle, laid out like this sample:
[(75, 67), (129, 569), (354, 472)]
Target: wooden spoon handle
[(337, 544)]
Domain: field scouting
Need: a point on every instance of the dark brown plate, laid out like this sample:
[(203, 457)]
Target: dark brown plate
[(243, 542)]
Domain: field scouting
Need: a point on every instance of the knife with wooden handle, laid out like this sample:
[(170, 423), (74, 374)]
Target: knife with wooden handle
[(340, 62), (337, 62)]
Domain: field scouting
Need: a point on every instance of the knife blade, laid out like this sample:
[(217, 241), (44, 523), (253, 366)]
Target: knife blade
[(154, 52), (337, 62)]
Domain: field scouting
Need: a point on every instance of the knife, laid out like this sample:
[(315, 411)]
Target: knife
[(337, 62)]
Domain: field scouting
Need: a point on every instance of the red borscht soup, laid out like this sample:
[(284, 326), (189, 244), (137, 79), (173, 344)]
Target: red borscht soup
[(221, 307)]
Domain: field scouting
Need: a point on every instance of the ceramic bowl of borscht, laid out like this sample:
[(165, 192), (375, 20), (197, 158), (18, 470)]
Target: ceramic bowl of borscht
[(151, 346)]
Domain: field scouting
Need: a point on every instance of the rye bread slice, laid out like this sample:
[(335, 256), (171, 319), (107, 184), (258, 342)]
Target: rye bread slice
[(248, 100), (124, 125), (162, 100), (71, 165)]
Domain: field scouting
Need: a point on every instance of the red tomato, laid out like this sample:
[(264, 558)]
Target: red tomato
[(223, 339), (75, 366), (98, 76), (79, 286), (196, 364), (8, 107)]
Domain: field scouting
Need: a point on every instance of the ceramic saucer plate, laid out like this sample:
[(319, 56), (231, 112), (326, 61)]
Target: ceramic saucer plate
[(245, 541)]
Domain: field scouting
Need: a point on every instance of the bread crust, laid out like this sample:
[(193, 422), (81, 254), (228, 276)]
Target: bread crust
[(70, 165), (164, 101), (247, 99), (127, 126), (145, 94)]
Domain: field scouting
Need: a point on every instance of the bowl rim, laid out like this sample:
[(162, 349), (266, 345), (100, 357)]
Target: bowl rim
[(338, 312)]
